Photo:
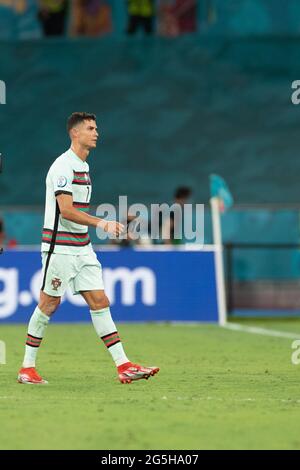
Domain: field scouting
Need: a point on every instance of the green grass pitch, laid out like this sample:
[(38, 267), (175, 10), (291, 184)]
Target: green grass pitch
[(217, 389)]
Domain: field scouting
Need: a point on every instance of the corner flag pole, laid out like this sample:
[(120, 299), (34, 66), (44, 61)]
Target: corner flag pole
[(219, 265)]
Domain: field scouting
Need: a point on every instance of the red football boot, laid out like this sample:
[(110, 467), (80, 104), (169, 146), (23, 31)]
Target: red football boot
[(28, 375), (129, 372)]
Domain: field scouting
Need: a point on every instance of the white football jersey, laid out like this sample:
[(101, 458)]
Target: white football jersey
[(67, 175)]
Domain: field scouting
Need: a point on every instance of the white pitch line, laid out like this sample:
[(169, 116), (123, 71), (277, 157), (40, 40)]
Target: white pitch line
[(261, 331)]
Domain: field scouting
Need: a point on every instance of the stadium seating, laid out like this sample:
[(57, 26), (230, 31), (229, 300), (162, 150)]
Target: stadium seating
[(152, 97)]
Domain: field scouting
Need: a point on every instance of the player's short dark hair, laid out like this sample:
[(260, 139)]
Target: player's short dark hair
[(77, 118), (182, 192)]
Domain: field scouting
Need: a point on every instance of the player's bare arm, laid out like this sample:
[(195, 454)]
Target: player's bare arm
[(69, 212)]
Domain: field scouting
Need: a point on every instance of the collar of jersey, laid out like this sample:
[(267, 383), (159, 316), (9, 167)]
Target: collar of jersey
[(75, 157)]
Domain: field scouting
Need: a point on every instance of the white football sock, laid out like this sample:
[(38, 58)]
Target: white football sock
[(36, 329), (107, 331)]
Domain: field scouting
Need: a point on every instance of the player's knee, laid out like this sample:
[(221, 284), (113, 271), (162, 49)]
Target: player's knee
[(52, 306), (100, 303), (49, 306)]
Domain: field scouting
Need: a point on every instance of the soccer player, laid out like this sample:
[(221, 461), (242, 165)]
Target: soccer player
[(68, 257)]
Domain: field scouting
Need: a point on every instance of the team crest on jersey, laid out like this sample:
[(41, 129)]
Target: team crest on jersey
[(56, 283), (61, 182)]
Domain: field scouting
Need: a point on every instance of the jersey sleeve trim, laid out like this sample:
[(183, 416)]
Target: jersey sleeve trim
[(57, 193)]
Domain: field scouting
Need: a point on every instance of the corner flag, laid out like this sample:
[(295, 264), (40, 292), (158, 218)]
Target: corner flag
[(219, 189)]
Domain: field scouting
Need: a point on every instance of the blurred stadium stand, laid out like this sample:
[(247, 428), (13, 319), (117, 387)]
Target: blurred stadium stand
[(19, 20), (171, 111), (168, 110)]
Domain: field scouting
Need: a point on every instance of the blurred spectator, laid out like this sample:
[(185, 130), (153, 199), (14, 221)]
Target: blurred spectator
[(10, 243), (53, 16), (19, 19), (130, 240), (19, 6), (2, 234), (140, 15), (91, 18), (181, 197), (177, 17)]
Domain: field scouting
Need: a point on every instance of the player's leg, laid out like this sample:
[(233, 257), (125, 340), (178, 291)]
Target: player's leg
[(107, 331), (36, 331), (57, 271), (89, 283), (104, 324)]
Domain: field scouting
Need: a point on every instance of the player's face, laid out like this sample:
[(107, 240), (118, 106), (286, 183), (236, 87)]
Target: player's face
[(87, 133)]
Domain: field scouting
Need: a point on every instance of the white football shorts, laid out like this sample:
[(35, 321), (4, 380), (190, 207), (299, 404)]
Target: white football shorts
[(80, 272)]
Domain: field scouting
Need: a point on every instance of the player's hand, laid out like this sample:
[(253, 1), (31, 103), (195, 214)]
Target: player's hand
[(114, 228)]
